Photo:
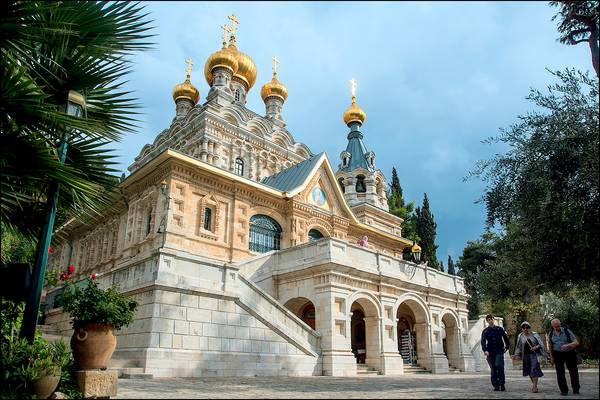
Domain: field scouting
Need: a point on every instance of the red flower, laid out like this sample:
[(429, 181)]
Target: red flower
[(93, 277), (64, 277), (71, 269), (50, 250)]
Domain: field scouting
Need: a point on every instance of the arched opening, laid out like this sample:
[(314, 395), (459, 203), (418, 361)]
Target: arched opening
[(239, 167), (360, 184), (451, 339), (304, 309), (413, 333), (341, 182), (365, 332), (314, 235), (407, 345), (265, 234), (358, 338)]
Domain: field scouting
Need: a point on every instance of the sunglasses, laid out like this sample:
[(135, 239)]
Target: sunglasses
[(525, 327)]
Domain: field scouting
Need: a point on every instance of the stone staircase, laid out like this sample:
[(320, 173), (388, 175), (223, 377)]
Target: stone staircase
[(415, 369), (365, 370)]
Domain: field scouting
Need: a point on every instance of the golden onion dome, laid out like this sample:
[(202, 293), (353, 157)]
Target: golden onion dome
[(354, 113), (186, 90), (225, 58), (246, 71), (274, 88), (415, 248)]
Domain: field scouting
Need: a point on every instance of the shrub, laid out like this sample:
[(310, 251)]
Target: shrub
[(92, 304)]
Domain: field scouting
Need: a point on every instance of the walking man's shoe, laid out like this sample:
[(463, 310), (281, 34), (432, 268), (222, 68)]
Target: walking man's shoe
[(576, 391), (564, 393), (502, 388), (496, 389)]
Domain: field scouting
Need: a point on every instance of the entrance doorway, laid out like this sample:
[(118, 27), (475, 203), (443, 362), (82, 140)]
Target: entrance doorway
[(407, 335), (359, 334)]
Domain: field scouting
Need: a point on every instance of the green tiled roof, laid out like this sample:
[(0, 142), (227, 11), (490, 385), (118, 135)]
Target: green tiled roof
[(292, 177)]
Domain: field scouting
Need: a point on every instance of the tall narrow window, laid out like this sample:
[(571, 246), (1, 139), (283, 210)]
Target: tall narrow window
[(237, 94), (360, 184), (207, 219), (265, 234), (149, 222), (239, 167)]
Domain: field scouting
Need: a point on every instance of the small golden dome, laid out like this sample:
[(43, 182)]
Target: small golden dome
[(186, 90), (225, 58), (274, 88), (354, 113), (246, 71)]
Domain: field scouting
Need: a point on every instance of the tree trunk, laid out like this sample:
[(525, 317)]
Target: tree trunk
[(594, 49)]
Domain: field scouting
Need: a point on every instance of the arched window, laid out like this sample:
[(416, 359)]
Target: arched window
[(360, 184), (341, 182), (207, 219), (308, 315), (265, 234), (239, 167), (313, 235)]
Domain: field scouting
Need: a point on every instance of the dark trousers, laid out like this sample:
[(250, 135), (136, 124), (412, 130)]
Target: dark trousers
[(496, 363), (569, 358)]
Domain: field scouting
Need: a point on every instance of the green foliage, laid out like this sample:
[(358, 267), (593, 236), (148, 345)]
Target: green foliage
[(544, 192), (21, 361), (400, 208), (578, 23), (451, 268), (577, 308), (94, 304), (47, 49), (426, 230), (476, 259), (15, 247)]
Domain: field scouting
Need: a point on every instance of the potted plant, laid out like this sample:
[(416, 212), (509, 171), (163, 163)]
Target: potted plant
[(96, 313), (47, 361)]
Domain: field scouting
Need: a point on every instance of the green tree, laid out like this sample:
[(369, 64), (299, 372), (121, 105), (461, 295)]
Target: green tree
[(451, 268), (543, 192), (475, 260), (47, 49), (426, 230), (400, 208), (579, 24)]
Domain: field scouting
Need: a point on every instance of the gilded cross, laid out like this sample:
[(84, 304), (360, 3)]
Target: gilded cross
[(235, 22), (353, 86), (226, 29), (189, 63), (275, 62)]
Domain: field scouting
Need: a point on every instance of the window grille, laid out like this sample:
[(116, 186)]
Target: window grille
[(239, 167), (265, 234), (207, 219)]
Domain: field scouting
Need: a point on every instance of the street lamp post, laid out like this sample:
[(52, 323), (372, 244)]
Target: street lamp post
[(416, 252), (73, 107)]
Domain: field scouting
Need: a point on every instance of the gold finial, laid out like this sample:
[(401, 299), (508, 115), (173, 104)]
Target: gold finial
[(353, 88), (275, 62), (234, 24), (189, 63), (226, 30)]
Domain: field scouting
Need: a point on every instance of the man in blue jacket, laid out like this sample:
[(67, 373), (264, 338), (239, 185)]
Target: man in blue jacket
[(494, 342)]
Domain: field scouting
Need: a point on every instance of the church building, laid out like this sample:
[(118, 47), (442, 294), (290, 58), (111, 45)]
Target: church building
[(251, 255)]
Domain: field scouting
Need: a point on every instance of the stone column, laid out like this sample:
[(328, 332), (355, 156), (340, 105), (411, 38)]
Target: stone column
[(373, 339), (350, 190), (204, 151)]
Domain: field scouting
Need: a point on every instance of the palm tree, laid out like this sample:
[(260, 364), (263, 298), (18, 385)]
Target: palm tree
[(47, 49)]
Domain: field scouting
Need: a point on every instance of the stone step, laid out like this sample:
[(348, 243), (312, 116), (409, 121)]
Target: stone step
[(415, 369), (133, 373), (367, 372)]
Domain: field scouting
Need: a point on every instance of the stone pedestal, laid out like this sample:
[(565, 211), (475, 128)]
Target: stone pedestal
[(96, 383)]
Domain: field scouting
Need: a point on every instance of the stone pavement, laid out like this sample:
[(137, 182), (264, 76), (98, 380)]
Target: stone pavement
[(463, 385)]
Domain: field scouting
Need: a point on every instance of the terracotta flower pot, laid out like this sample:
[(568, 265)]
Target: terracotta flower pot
[(46, 385), (93, 345)]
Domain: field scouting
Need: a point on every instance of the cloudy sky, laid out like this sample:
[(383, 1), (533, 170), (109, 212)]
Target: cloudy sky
[(435, 79)]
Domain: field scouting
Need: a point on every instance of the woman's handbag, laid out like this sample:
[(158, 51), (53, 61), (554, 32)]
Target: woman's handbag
[(541, 359)]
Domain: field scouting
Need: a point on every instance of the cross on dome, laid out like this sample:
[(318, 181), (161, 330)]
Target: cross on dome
[(235, 23), (353, 87), (189, 63), (275, 63)]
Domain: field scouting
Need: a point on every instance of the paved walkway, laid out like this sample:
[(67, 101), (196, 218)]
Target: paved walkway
[(464, 385)]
